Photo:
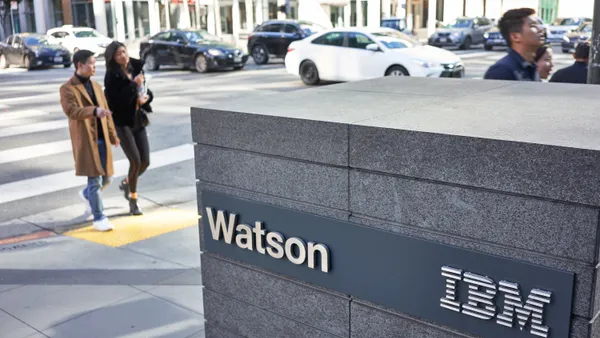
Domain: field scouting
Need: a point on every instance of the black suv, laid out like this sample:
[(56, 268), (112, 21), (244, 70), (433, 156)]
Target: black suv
[(273, 37)]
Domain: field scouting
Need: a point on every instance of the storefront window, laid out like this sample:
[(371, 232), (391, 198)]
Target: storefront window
[(29, 16), (353, 13), (83, 13), (243, 21), (337, 16), (203, 17), (161, 13), (126, 23), (110, 20), (193, 17), (227, 19), (175, 14), (273, 10), (365, 8), (141, 17), (58, 13)]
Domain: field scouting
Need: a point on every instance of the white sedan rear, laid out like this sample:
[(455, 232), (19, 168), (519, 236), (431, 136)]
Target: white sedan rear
[(353, 54)]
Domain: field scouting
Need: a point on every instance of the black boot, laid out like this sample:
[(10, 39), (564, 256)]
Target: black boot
[(124, 187), (133, 207)]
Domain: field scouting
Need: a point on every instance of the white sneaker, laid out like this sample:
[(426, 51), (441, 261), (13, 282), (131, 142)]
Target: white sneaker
[(103, 225), (88, 208)]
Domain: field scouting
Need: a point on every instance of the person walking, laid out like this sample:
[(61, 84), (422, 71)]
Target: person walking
[(125, 91), (577, 72), (543, 61), (92, 132), (523, 36)]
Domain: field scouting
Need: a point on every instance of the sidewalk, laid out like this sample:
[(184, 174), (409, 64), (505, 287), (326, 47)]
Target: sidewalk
[(140, 280)]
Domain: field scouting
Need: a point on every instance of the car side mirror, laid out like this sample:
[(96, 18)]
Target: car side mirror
[(373, 47)]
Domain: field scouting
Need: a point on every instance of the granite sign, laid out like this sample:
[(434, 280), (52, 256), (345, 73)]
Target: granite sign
[(468, 291)]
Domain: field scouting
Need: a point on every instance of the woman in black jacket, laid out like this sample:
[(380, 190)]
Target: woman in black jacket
[(124, 77)]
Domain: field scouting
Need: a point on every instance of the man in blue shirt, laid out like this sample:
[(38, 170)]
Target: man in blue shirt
[(523, 37), (578, 72)]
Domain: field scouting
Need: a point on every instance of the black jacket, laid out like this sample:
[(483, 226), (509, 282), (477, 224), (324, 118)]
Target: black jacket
[(576, 73), (121, 94)]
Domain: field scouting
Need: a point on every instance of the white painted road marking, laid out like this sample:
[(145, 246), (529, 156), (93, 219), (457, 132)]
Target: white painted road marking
[(12, 117), (38, 150), (19, 190), (33, 128)]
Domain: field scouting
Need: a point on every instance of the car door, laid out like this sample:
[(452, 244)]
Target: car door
[(160, 48), (326, 51), (8, 47), (15, 53), (290, 34), (271, 36), (175, 44), (360, 63), (183, 50)]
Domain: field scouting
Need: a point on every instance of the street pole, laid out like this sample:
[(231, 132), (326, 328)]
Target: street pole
[(12, 22), (594, 66)]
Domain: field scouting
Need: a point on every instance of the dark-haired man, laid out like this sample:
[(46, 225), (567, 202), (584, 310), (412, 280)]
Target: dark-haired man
[(523, 36), (92, 131), (578, 72)]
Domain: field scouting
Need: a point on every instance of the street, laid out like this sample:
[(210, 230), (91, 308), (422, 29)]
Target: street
[(45, 256)]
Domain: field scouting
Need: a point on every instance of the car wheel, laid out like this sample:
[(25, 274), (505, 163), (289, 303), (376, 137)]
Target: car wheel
[(150, 62), (396, 71), (3, 62), (27, 63), (201, 64), (238, 68), (466, 44), (68, 65), (488, 48), (309, 73), (566, 51), (260, 55)]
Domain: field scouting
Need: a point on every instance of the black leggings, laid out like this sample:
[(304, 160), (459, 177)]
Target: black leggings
[(135, 145)]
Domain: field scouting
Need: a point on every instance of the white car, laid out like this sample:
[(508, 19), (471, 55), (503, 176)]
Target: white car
[(353, 54), (76, 38)]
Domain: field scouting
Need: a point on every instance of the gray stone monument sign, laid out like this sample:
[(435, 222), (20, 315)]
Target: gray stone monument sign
[(401, 207)]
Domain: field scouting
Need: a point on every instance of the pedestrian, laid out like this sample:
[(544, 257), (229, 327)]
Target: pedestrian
[(523, 36), (124, 86), (577, 72), (92, 132), (543, 61)]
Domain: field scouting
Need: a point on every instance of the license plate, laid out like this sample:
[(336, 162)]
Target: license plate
[(237, 59), (443, 39), (58, 59)]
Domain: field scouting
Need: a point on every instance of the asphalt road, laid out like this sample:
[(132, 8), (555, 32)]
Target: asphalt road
[(35, 155)]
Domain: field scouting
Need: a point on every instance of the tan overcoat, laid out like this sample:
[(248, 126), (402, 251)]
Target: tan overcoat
[(79, 108)]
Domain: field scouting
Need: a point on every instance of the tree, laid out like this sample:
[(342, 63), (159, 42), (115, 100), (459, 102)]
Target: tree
[(5, 24)]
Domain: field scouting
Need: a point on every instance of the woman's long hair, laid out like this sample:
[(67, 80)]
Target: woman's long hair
[(540, 52), (109, 56)]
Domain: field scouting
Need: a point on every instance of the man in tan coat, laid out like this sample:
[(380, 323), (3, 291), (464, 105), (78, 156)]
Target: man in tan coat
[(92, 132)]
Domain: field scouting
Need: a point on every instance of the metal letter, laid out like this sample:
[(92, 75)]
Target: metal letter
[(275, 248), (452, 276), (301, 250), (312, 252), (216, 230), (482, 290), (533, 308)]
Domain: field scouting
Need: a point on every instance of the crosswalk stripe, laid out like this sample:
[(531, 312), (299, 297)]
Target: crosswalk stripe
[(38, 150), (33, 128), (19, 190), (12, 118), (31, 97)]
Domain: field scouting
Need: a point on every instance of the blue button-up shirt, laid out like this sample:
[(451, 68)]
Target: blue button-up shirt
[(513, 67)]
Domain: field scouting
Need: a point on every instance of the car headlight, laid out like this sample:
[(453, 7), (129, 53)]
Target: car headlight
[(214, 52), (486, 35), (457, 34), (426, 64), (566, 39)]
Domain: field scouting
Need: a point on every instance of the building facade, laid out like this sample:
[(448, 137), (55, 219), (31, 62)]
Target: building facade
[(129, 20)]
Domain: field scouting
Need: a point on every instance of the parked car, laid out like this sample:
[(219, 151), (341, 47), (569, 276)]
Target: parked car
[(32, 50), (76, 38), (196, 49), (398, 24), (563, 26), (353, 54), (463, 33), (493, 37), (272, 38), (581, 34)]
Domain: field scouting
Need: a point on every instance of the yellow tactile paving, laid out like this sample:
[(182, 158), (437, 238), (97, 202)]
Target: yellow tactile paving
[(132, 229)]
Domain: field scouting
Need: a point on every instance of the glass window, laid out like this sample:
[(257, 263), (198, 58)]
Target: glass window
[(58, 13), (17, 41), (176, 37), (311, 28), (407, 39), (330, 39), (83, 14), (463, 23), (272, 28), (227, 19), (59, 35), (87, 34), (394, 43), (200, 35), (8, 40), (290, 29), (243, 22), (586, 28), (358, 40), (40, 40), (164, 36), (141, 17)]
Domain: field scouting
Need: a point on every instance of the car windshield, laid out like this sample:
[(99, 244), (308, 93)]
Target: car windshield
[(196, 36), (311, 28), (463, 23), (395, 24), (586, 29), (566, 22), (392, 43), (40, 41), (87, 34), (398, 37)]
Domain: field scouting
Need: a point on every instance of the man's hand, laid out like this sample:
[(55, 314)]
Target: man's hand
[(143, 100), (101, 112), (117, 143), (139, 79)]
